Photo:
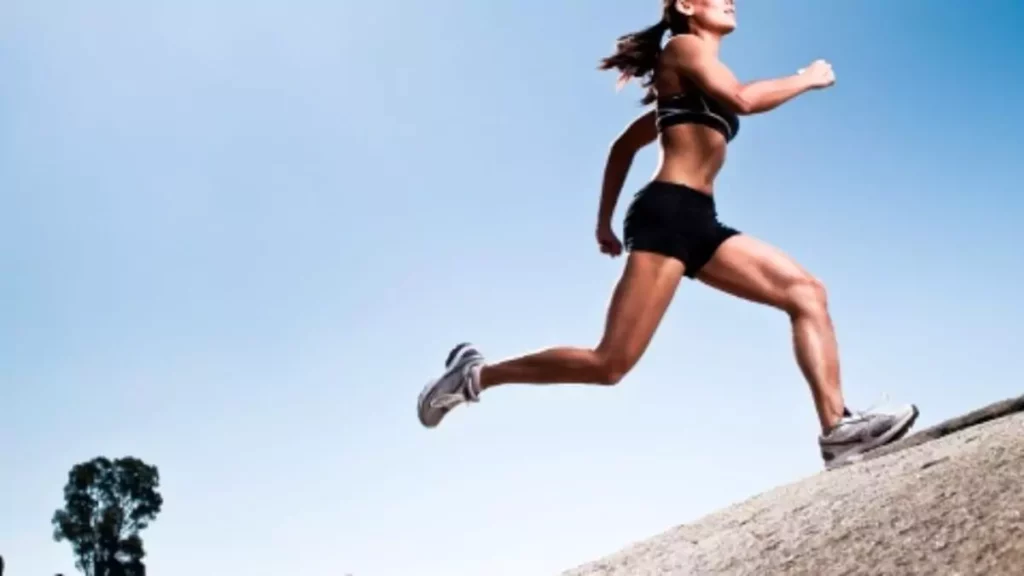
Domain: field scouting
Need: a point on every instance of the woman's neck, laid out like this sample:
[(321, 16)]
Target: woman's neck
[(712, 38)]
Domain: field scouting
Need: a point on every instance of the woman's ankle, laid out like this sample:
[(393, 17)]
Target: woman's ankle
[(483, 377)]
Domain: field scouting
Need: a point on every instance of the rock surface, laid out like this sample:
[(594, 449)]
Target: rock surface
[(948, 500)]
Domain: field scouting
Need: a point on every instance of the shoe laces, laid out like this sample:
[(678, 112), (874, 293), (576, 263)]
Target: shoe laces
[(860, 415), (453, 399)]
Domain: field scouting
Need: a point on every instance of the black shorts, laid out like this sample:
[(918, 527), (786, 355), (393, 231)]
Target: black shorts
[(676, 221)]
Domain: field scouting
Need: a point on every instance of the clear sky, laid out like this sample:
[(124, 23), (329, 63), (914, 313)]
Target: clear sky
[(236, 238)]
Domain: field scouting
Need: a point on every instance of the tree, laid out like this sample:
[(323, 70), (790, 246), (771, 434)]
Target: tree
[(106, 505)]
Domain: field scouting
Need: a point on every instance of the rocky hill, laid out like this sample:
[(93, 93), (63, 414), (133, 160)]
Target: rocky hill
[(948, 500)]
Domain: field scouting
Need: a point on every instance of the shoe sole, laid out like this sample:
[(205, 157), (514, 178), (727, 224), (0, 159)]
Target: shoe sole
[(894, 434)]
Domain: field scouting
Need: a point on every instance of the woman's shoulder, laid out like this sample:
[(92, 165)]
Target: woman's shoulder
[(680, 55)]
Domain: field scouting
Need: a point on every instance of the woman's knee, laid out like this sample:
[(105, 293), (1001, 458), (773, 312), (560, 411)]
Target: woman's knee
[(806, 296), (610, 367)]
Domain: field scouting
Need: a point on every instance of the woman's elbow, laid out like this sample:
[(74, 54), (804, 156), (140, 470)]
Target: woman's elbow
[(622, 149), (742, 105)]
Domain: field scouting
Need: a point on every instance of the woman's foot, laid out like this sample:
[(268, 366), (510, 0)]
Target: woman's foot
[(460, 383), (861, 432)]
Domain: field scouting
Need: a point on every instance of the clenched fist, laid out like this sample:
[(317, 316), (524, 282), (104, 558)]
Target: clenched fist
[(819, 74), (607, 241)]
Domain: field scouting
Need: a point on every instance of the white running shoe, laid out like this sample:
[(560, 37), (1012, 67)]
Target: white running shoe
[(861, 432), (457, 385)]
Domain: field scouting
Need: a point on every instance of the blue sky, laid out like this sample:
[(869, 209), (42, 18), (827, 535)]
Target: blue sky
[(236, 238)]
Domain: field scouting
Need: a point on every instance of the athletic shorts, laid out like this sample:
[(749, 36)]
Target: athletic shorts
[(676, 221)]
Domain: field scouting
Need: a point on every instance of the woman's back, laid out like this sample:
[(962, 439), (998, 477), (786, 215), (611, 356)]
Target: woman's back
[(693, 143)]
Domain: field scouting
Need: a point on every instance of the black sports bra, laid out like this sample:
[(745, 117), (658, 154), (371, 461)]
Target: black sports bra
[(694, 107)]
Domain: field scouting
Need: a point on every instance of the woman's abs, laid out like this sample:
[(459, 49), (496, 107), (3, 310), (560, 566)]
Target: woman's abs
[(691, 155)]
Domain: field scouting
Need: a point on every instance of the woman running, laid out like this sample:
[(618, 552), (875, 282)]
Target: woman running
[(672, 230)]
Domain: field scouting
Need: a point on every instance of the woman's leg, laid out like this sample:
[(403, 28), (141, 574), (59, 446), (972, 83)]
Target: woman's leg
[(638, 304), (750, 269)]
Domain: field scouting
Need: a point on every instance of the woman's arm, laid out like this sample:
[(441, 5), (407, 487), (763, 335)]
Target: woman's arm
[(639, 133), (698, 62)]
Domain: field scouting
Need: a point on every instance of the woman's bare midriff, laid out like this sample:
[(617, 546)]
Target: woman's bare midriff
[(691, 155)]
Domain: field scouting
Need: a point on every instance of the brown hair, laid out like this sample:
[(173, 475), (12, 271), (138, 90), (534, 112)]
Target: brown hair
[(636, 54)]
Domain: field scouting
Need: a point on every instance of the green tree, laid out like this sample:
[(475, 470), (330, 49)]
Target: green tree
[(106, 505)]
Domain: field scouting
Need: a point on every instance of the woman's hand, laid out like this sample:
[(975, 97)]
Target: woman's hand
[(608, 241), (819, 74)]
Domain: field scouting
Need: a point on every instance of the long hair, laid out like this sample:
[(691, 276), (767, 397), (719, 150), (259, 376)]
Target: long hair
[(636, 54)]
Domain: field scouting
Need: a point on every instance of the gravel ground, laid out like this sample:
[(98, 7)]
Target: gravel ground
[(950, 506)]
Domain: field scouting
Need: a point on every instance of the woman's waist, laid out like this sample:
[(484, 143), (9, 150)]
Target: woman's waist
[(666, 196), (699, 180), (694, 163)]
